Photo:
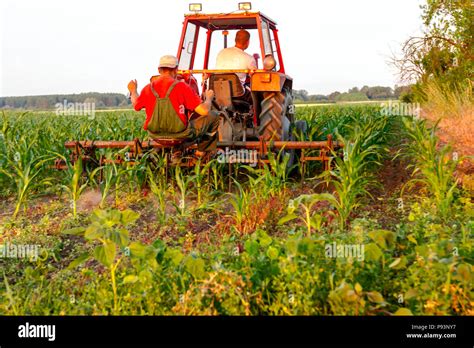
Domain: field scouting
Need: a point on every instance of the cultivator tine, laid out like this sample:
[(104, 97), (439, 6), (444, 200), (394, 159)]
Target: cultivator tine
[(59, 164), (262, 152), (230, 177)]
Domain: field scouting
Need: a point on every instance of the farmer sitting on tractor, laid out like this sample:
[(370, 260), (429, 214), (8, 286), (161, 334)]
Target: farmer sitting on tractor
[(174, 110), (236, 58)]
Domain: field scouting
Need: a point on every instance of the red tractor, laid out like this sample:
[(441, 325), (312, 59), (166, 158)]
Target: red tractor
[(269, 112), (260, 118)]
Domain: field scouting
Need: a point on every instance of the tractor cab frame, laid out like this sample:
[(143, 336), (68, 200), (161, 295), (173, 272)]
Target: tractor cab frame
[(268, 112), (212, 23)]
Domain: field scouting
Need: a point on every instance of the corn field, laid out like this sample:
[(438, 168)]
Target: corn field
[(387, 230)]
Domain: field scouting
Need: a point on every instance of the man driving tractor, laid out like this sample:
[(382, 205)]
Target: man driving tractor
[(236, 57), (174, 110)]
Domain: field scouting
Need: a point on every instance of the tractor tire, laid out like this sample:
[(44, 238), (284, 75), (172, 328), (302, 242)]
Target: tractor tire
[(275, 120)]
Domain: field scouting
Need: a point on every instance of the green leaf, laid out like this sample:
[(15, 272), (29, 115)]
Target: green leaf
[(160, 248), (105, 253), (464, 272), (195, 267), (287, 218), (375, 296), (399, 263), (395, 263), (77, 231), (79, 260), (422, 250), (99, 215), (316, 221), (113, 218), (411, 238), (174, 255), (411, 293), (129, 216), (292, 246), (272, 253), (372, 252), (251, 247), (137, 249), (120, 237), (385, 239), (130, 279), (403, 311), (263, 238), (94, 231), (145, 276)]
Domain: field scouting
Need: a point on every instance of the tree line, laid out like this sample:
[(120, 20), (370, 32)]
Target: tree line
[(117, 100), (48, 102), (365, 93)]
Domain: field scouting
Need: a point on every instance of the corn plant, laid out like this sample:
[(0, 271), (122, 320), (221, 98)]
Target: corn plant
[(216, 176), (183, 182), (352, 177), (240, 201), (306, 204), (111, 175), (75, 188), (200, 173), (24, 171), (274, 175), (108, 173), (433, 168), (158, 188)]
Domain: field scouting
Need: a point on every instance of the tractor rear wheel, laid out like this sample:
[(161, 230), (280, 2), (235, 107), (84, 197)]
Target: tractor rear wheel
[(276, 116), (276, 119)]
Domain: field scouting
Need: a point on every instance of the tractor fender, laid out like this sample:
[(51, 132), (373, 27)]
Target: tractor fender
[(270, 82)]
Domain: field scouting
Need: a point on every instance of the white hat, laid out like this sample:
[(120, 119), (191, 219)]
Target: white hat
[(168, 62)]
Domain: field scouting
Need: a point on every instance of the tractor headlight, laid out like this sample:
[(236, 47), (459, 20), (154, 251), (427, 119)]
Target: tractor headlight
[(269, 62), (195, 7), (245, 6)]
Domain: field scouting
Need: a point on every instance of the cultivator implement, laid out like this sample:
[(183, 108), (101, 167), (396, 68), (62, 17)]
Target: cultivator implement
[(86, 151)]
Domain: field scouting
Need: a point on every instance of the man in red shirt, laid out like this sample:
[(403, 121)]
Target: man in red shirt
[(169, 105)]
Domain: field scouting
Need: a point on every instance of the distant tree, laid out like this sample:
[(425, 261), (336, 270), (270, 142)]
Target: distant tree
[(332, 97), (49, 101), (357, 96), (301, 94), (379, 92), (354, 90), (317, 97), (399, 90)]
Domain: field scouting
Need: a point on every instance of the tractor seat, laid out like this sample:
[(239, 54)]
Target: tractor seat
[(236, 88), (172, 140), (168, 142), (229, 92)]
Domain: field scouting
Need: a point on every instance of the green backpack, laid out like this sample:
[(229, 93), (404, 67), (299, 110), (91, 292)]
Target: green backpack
[(165, 122)]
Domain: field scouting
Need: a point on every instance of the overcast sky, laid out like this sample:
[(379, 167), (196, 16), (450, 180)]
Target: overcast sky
[(58, 46)]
